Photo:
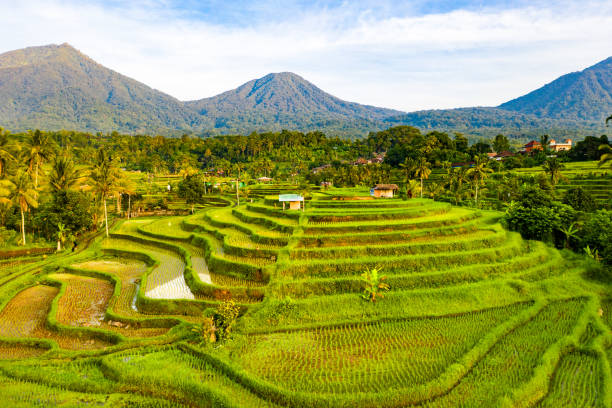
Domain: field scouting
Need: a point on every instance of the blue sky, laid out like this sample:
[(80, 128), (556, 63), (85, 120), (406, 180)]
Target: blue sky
[(407, 55)]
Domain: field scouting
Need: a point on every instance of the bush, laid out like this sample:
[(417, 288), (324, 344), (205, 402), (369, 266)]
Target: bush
[(532, 222), (579, 199), (597, 234)]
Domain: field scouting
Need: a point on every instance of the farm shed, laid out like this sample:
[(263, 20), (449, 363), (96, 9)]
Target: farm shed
[(385, 190), (294, 200)]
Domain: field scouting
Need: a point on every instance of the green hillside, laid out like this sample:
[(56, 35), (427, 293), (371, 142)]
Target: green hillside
[(583, 96), (57, 87)]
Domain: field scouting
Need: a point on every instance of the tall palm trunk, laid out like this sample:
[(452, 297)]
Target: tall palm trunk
[(23, 228), (129, 206), (105, 217), (476, 194), (119, 203), (36, 175), (421, 187)]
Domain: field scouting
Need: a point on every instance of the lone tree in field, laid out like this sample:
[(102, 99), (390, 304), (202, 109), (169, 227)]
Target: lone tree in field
[(552, 166), (24, 195), (104, 176), (479, 173), (422, 171), (374, 284), (225, 318), (192, 188)]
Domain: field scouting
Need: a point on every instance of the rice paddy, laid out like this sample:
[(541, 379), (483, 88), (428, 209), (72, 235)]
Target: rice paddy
[(475, 315)]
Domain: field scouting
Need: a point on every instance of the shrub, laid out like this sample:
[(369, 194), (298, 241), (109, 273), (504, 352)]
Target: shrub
[(374, 284), (597, 234), (225, 318), (579, 199)]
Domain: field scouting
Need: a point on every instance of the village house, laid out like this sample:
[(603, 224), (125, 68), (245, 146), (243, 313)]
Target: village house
[(319, 169), (264, 179), (361, 161), (294, 200), (500, 156), (557, 147), (531, 146), (385, 190)]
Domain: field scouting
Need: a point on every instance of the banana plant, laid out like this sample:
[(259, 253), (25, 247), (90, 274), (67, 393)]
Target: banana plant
[(374, 284)]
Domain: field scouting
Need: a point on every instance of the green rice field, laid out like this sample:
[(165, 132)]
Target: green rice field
[(475, 316)]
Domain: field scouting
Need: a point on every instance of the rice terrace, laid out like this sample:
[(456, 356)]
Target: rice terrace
[(249, 239), (475, 314)]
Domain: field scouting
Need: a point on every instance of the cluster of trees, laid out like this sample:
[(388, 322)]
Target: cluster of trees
[(59, 182), (41, 185)]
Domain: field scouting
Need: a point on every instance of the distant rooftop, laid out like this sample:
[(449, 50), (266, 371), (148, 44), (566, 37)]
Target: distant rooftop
[(290, 197)]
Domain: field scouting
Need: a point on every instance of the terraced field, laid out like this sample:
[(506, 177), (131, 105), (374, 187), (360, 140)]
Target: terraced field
[(475, 315)]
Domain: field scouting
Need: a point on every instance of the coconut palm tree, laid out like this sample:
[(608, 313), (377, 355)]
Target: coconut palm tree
[(238, 167), (61, 235), (553, 167), (609, 119), (607, 156), (408, 166), (38, 148), (479, 173), (544, 140), (64, 175), (23, 194), (6, 152), (411, 188), (104, 176), (125, 186), (422, 170)]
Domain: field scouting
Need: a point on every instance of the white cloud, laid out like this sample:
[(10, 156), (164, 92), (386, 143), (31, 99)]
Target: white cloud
[(458, 58)]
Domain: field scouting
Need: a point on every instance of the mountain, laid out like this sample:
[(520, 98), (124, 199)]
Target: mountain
[(584, 95), (488, 122), (55, 87), (286, 101)]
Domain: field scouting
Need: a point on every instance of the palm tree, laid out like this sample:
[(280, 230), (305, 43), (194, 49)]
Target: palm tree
[(408, 166), (609, 119), (64, 176), (6, 155), (553, 167), (238, 167), (23, 194), (435, 189), (104, 176), (39, 148), (607, 156), (479, 173), (544, 140), (61, 235), (411, 187), (422, 170), (125, 186)]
